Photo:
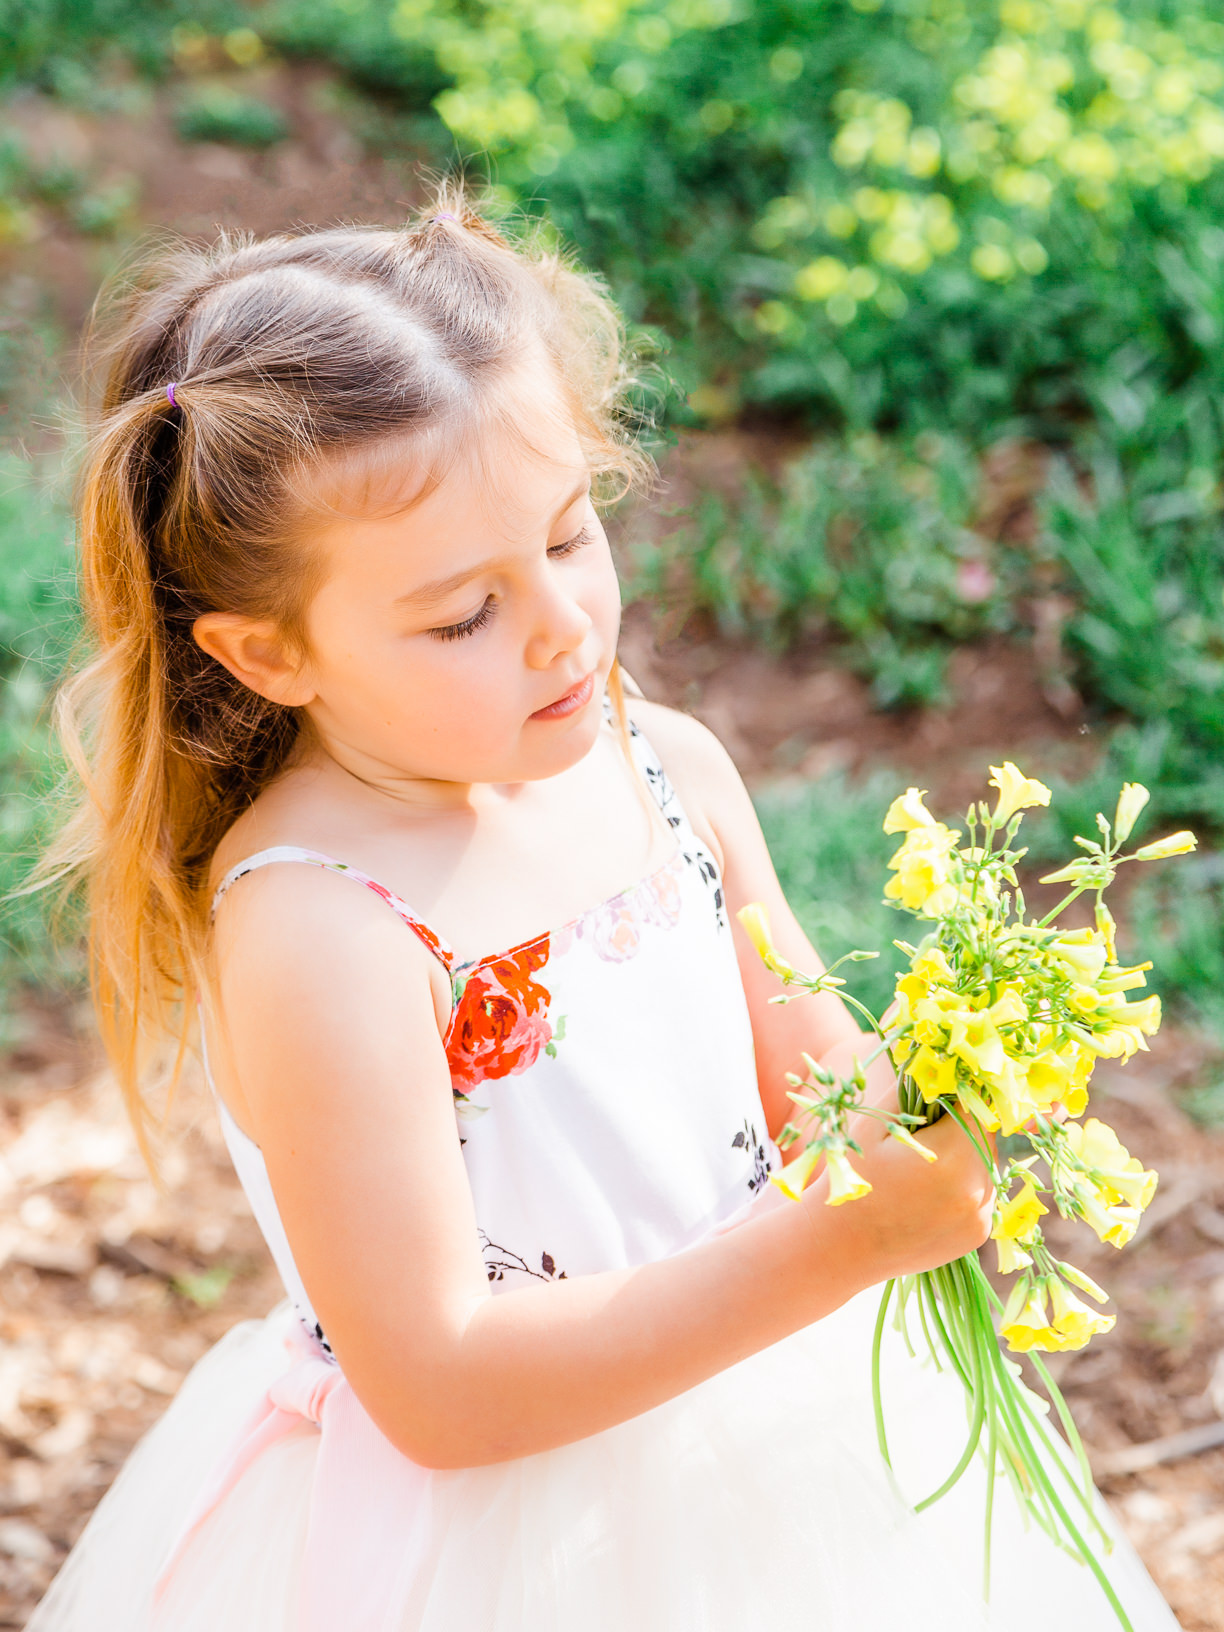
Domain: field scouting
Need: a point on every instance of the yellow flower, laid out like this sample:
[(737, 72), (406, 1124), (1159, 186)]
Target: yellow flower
[(1130, 802), (900, 1132), (1011, 1256), (934, 1074), (907, 812), (1017, 1216), (844, 1183), (793, 1178), (1176, 844), (1108, 930), (977, 1107), (1009, 1094), (1025, 1324), (923, 866), (1016, 792), (1110, 1163), (1074, 1322), (1119, 979), (974, 1038), (1010, 1009), (1113, 1225), (1049, 1078), (756, 924), (933, 967), (1081, 952), (1125, 1027), (1084, 1282)]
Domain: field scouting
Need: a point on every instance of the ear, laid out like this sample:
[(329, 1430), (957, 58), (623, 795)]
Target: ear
[(255, 652)]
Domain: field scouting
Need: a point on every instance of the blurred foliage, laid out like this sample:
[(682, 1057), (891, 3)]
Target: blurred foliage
[(831, 854), (905, 213), (875, 211), (857, 538), (47, 39), (38, 624), (32, 194), (218, 113)]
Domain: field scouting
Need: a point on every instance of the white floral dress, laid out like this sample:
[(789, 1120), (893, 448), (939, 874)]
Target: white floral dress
[(606, 1100)]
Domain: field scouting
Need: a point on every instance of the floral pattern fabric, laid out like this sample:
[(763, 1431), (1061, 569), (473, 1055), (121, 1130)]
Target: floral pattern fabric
[(597, 1129), (499, 1025)]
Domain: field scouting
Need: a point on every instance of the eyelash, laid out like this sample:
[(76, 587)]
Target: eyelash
[(469, 626)]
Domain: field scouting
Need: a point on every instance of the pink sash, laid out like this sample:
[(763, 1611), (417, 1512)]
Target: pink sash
[(355, 1550)]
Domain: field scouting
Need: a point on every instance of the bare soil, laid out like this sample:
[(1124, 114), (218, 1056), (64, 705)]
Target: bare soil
[(111, 1288)]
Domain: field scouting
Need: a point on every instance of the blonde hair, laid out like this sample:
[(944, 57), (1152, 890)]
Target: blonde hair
[(283, 354)]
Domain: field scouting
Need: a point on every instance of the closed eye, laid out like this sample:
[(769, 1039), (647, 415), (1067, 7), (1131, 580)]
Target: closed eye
[(469, 626), (558, 552)]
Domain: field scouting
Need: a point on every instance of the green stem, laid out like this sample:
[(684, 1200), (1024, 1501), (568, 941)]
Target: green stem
[(971, 1443), (950, 1348), (1064, 904), (1068, 1422), (979, 1139), (1082, 1548), (992, 1456), (905, 1288), (877, 1398), (924, 1294), (1087, 1494)]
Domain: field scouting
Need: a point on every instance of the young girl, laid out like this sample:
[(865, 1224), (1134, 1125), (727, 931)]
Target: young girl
[(499, 1071)]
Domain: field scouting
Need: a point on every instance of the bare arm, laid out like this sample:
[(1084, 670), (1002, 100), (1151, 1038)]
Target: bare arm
[(333, 1038)]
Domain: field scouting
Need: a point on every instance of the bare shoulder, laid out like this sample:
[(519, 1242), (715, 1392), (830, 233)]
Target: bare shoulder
[(699, 767), (304, 927)]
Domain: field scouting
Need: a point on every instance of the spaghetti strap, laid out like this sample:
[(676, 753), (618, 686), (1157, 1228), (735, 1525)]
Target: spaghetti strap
[(315, 858)]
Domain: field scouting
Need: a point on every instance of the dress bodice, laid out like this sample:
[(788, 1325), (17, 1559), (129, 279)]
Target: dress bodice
[(603, 1074)]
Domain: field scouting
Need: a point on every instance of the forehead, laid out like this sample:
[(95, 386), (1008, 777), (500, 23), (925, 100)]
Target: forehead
[(501, 457)]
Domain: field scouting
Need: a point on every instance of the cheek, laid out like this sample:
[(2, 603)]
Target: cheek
[(601, 596)]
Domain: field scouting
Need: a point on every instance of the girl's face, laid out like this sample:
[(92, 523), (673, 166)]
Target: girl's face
[(468, 638)]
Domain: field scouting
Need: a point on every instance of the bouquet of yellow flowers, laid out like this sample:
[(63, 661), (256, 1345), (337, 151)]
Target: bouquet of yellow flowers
[(999, 1020)]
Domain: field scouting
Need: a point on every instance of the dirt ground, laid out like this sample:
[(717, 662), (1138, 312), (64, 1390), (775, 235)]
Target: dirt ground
[(110, 1289)]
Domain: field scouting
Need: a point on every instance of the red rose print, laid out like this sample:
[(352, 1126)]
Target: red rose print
[(500, 1024)]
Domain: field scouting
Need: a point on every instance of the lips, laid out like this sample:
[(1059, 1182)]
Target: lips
[(577, 697)]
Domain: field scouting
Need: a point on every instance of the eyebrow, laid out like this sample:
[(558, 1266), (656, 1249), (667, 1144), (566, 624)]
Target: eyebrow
[(432, 593)]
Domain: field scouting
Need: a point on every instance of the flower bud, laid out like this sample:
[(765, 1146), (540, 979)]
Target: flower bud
[(1130, 802), (756, 925), (1176, 844)]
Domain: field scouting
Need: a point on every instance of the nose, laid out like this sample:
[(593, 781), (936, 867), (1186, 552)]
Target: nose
[(559, 626)]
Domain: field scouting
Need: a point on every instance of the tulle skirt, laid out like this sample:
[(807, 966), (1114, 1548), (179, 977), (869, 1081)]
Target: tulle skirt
[(755, 1501)]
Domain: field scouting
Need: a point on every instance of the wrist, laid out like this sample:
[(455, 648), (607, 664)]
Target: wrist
[(838, 1258)]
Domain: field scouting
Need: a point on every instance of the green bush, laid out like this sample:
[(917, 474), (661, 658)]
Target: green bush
[(859, 540), (217, 113), (42, 36), (877, 211)]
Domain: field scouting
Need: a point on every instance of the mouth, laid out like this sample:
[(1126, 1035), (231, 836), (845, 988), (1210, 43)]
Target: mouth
[(577, 697)]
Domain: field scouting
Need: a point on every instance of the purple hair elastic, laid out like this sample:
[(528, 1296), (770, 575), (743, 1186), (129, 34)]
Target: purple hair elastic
[(170, 393), (444, 215)]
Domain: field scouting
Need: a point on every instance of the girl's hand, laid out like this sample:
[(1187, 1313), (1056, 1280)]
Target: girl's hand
[(917, 1214)]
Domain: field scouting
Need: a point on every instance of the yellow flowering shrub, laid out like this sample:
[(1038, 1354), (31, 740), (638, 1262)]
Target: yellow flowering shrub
[(1069, 100)]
